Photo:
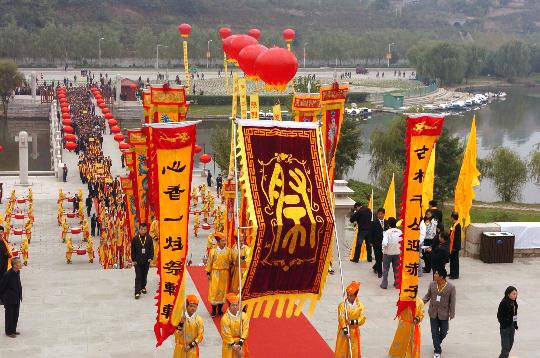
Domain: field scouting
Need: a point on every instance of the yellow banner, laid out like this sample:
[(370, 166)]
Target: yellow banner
[(306, 107), (422, 132), (254, 106), (276, 112), (234, 110), (186, 64), (242, 87), (130, 203), (137, 140), (173, 146), (147, 106)]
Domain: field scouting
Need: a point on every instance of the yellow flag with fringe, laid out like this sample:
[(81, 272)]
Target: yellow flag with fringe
[(390, 201), (429, 181)]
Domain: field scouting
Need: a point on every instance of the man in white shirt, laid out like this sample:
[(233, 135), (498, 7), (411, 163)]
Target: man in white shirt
[(391, 247)]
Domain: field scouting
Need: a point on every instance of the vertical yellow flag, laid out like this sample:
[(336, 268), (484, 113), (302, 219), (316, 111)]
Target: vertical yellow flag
[(390, 201), (276, 111), (429, 180), (468, 178), (234, 110), (254, 106), (186, 65), (242, 87)]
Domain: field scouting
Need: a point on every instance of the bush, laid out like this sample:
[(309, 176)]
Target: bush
[(508, 172)]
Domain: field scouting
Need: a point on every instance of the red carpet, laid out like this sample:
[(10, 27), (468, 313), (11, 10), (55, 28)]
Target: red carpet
[(272, 337)]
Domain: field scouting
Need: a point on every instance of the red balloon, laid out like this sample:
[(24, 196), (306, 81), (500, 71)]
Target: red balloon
[(238, 43), (115, 129), (65, 110), (70, 137), (205, 158), (288, 35), (109, 116), (68, 129), (118, 137), (276, 67), (197, 148), (124, 146), (255, 33), (112, 122), (184, 30), (105, 110), (66, 116), (247, 57), (70, 146), (227, 44), (224, 32), (67, 122), (133, 86)]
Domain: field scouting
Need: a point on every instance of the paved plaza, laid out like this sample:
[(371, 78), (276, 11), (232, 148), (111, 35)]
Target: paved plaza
[(81, 310)]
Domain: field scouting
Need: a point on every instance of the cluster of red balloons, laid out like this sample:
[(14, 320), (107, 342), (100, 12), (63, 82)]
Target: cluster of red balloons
[(113, 123), (66, 120), (274, 66)]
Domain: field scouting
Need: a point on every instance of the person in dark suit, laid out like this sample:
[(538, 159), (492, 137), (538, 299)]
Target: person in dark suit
[(455, 246), (362, 216), (142, 252), (89, 202), (4, 252), (93, 224), (438, 250), (378, 227), (11, 294)]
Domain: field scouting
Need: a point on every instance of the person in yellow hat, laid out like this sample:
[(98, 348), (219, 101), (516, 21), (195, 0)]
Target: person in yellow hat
[(406, 342), (65, 229), (28, 230), (245, 254), (234, 330), (60, 215), (24, 251), (350, 318), (190, 331), (90, 249), (217, 270), (194, 197), (196, 224), (69, 249)]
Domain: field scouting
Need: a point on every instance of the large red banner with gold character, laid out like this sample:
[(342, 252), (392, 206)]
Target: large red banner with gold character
[(137, 139), (422, 133), (288, 202), (173, 146)]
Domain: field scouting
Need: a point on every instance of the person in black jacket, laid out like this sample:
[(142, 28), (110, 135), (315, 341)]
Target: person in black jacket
[(11, 294), (378, 227), (507, 316), (436, 213), (142, 252), (4, 253), (455, 246), (93, 224), (438, 250), (362, 216)]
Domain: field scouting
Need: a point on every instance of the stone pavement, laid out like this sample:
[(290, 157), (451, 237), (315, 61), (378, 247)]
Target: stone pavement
[(80, 310)]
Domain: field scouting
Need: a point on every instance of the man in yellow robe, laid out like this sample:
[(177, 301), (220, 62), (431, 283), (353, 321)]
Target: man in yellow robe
[(350, 318), (28, 230), (90, 249), (60, 215), (196, 224), (217, 270), (69, 249), (24, 250), (190, 331), (406, 342), (234, 330), (65, 229), (245, 255)]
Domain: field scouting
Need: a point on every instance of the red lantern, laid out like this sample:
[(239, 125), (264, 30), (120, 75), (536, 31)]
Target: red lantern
[(227, 44), (70, 146), (102, 105), (109, 116), (70, 137), (112, 122), (65, 110), (205, 158), (288, 35), (276, 67), (118, 137), (197, 148), (67, 122), (68, 129), (238, 43), (124, 146), (61, 95), (247, 58), (105, 110), (1, 148), (224, 32), (255, 33), (66, 116), (115, 129), (184, 30), (133, 86), (64, 105)]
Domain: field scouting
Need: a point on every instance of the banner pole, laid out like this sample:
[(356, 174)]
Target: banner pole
[(335, 234), (237, 224)]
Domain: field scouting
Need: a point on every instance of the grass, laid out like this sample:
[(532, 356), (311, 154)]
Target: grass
[(208, 111)]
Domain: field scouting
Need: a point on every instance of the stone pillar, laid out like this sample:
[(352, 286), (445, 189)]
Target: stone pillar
[(23, 140), (343, 206), (35, 154), (33, 85)]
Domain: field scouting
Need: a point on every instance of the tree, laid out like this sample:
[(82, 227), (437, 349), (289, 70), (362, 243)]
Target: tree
[(512, 60), (301, 84), (534, 166), (444, 61), (348, 147), (10, 78), (221, 143), (475, 59), (508, 172)]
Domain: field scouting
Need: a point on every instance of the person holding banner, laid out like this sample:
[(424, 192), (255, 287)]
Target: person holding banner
[(455, 246), (350, 318), (142, 252), (362, 216), (245, 253), (217, 270), (234, 330), (190, 331), (406, 342)]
